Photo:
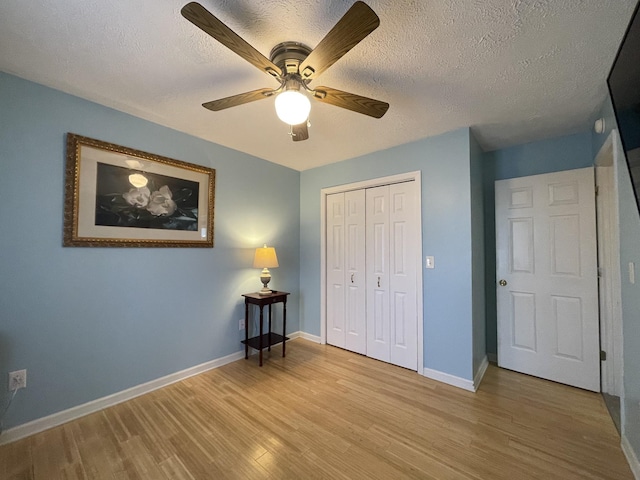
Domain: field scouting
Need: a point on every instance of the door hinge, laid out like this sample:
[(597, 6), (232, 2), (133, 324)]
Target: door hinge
[(597, 190), (603, 355)]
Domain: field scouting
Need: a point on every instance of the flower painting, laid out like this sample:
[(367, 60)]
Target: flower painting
[(144, 201), (120, 197)]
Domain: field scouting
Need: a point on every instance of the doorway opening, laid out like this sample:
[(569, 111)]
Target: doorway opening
[(609, 288)]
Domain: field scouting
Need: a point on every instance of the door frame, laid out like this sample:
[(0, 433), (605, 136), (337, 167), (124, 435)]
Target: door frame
[(606, 161), (375, 182)]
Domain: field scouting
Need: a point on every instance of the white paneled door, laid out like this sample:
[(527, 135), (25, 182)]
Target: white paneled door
[(546, 269), (378, 321), (391, 273), (335, 270), (346, 319)]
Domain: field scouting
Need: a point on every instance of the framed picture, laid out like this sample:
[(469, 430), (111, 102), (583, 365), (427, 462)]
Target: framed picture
[(120, 197)]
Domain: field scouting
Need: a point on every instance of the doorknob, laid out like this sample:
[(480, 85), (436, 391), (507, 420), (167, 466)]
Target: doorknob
[(502, 283), (352, 278)]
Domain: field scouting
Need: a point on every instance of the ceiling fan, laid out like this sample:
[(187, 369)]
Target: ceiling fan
[(295, 65)]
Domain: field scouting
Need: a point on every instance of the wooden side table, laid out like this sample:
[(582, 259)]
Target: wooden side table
[(264, 340)]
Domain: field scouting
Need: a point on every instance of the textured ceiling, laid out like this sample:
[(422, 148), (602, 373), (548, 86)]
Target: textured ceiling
[(513, 70)]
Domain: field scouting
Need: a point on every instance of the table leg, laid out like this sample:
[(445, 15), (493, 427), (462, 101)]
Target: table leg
[(269, 334), (284, 325), (246, 330), (260, 338)]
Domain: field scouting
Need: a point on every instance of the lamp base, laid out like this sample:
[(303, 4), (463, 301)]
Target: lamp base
[(265, 278)]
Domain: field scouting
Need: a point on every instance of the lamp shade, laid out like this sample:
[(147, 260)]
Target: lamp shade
[(292, 107), (265, 257)]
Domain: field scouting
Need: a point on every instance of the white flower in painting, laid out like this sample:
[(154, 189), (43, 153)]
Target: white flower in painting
[(138, 197), (161, 204)]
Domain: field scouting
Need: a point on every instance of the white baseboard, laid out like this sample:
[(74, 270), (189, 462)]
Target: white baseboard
[(492, 357), (308, 336), (58, 418), (631, 457), (449, 379), (477, 379)]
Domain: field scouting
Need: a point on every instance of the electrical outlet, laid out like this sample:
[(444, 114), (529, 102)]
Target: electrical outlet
[(17, 380), (241, 323)]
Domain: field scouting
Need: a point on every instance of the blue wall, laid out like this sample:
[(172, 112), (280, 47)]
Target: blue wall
[(629, 252), (446, 234), (553, 155), (478, 254), (89, 322)]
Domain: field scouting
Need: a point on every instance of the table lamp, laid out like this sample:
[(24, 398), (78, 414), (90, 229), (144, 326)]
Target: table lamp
[(265, 258)]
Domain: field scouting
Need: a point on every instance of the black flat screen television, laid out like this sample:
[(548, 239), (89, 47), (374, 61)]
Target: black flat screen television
[(624, 88)]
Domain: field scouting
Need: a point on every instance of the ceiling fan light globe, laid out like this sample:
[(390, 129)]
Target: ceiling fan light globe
[(293, 107)]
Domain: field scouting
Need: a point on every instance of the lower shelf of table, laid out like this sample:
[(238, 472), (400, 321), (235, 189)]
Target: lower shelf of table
[(254, 342)]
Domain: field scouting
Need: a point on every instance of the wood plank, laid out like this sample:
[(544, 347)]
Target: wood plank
[(322, 412)]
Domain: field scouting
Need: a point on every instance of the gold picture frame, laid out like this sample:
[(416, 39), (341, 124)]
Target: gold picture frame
[(121, 197)]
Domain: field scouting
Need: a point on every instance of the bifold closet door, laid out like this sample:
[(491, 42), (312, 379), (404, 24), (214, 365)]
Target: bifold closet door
[(391, 313), (346, 320)]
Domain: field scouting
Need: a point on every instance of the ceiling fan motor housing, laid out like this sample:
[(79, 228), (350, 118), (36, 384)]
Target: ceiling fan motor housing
[(288, 56)]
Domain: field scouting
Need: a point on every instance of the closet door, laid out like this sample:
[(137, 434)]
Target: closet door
[(403, 243), (346, 321), (391, 274), (377, 247), (355, 281), (335, 270)]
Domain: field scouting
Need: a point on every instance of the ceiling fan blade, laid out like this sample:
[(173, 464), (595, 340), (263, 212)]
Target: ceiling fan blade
[(299, 132), (356, 24), (240, 99), (351, 101), (203, 19)]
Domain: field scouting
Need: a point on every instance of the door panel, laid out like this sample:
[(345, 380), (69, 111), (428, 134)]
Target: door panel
[(402, 281), (568, 319), (523, 316), (377, 227), (379, 323), (335, 270), (565, 245), (346, 321), (521, 245), (546, 256), (356, 322), (400, 307)]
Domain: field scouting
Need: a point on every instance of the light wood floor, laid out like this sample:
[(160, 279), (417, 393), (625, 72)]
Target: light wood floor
[(326, 413)]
